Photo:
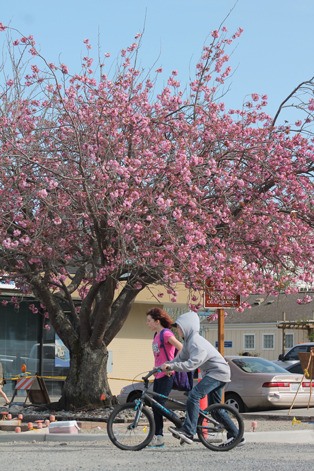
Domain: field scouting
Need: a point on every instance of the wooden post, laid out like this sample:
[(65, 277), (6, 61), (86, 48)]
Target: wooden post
[(221, 331), (221, 338)]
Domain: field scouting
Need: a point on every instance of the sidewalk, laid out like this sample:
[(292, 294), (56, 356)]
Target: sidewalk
[(272, 435)]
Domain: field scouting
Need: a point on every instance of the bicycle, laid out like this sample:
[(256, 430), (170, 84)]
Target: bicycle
[(131, 426)]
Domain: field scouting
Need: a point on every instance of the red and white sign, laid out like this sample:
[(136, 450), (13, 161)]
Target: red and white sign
[(215, 298), (24, 383)]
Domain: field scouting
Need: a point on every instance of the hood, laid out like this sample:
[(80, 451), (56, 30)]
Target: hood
[(189, 323)]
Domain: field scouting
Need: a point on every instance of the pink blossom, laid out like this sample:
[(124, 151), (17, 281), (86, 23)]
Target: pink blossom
[(305, 300), (64, 69), (42, 193), (33, 308)]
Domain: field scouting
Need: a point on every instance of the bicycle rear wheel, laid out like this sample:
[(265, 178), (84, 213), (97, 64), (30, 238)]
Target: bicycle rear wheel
[(130, 429), (220, 427)]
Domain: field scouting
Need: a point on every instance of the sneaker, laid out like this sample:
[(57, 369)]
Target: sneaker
[(229, 440), (242, 442), (182, 434), (213, 438), (157, 442)]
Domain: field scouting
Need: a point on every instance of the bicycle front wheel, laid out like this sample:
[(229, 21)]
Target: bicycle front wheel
[(129, 428), (220, 427)]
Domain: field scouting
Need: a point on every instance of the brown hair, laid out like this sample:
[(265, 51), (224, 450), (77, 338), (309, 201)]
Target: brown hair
[(160, 315)]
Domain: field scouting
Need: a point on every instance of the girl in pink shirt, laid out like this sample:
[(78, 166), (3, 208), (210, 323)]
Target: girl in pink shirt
[(157, 320)]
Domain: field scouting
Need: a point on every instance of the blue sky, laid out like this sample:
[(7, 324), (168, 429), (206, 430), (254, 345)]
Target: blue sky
[(273, 55)]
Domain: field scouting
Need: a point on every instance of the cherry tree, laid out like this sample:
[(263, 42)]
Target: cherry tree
[(109, 184)]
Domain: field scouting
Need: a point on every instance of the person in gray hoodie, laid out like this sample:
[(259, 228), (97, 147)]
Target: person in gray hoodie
[(197, 352)]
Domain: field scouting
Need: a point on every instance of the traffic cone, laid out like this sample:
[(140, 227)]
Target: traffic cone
[(203, 404)]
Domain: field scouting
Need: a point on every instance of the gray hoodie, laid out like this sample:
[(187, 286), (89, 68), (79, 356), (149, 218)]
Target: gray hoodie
[(197, 352)]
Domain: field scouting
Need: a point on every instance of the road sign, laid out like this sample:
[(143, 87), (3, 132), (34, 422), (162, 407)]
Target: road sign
[(227, 344), (216, 298)]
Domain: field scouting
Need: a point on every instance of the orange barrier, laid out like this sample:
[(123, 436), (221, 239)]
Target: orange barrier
[(203, 403)]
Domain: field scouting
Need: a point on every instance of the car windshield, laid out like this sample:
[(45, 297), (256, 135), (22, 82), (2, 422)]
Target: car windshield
[(258, 365)]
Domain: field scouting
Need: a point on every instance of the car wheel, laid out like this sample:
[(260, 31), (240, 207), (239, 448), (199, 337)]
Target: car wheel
[(134, 395), (233, 400)]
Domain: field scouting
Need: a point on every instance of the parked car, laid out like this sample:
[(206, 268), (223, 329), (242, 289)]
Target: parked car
[(294, 368), (292, 356), (256, 384), (260, 384)]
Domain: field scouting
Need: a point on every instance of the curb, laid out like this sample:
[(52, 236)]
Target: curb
[(53, 437), (272, 417)]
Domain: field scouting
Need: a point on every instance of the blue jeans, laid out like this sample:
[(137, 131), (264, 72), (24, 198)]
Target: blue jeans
[(162, 386), (213, 388)]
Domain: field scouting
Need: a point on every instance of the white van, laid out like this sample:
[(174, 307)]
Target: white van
[(50, 361)]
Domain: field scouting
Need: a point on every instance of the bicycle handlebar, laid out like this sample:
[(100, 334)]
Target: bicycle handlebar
[(152, 372)]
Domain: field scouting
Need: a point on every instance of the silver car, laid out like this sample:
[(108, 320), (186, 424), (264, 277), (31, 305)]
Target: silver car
[(259, 384), (256, 384)]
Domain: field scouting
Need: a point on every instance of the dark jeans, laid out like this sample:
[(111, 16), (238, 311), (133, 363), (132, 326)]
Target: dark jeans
[(162, 386), (213, 388)]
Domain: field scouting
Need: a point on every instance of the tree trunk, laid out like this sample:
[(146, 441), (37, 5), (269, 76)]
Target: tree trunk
[(87, 379)]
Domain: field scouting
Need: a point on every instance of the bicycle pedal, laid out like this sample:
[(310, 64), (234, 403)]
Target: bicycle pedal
[(182, 442)]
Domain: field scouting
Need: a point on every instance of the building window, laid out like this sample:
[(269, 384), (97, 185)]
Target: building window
[(249, 341), (289, 342), (268, 341)]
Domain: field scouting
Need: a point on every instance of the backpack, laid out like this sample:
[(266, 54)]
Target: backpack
[(182, 380)]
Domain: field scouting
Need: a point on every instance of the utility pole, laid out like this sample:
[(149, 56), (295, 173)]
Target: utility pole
[(283, 334)]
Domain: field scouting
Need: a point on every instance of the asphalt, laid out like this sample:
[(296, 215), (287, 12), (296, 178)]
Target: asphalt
[(271, 436)]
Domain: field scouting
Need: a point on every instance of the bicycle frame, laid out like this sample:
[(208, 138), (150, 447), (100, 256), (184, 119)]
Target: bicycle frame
[(148, 398)]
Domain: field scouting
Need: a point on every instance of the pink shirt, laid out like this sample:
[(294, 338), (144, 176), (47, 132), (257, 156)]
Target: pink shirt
[(159, 352)]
